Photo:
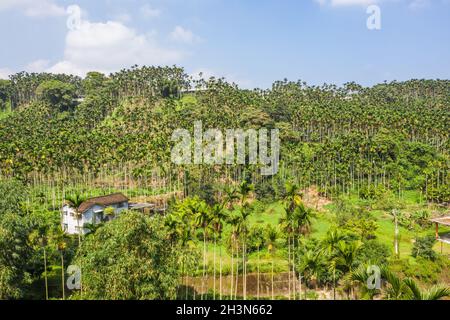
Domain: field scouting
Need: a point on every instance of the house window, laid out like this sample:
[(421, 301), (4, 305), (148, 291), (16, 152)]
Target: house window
[(121, 205), (65, 227), (100, 216)]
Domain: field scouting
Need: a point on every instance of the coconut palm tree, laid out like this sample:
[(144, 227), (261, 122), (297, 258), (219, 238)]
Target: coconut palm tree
[(346, 256), (188, 256), (296, 222), (244, 190), (233, 221), (39, 239), (312, 265), (231, 195), (75, 202), (242, 232), (361, 276), (203, 220), (331, 240), (218, 217), (329, 246), (271, 238), (415, 293), (58, 238), (401, 289)]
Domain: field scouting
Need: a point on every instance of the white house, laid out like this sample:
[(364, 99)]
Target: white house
[(92, 212)]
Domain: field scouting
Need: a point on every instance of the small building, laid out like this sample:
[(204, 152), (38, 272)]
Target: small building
[(92, 211), (444, 221)]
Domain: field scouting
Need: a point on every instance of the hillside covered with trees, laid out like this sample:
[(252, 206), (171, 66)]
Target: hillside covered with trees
[(353, 159)]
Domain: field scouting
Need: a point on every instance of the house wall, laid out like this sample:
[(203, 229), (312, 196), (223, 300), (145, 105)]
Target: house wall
[(70, 224)]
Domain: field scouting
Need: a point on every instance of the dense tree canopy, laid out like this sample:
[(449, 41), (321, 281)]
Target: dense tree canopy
[(339, 138), (129, 258)]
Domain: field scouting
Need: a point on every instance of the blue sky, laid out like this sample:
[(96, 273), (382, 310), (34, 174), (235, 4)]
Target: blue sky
[(251, 42)]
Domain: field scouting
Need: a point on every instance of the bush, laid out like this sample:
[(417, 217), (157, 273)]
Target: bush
[(372, 192), (374, 252), (423, 247), (129, 258), (265, 191), (423, 270), (57, 94)]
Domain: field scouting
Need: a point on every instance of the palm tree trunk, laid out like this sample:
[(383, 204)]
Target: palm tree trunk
[(214, 268), (272, 279), (45, 274), (186, 284), (289, 262), (300, 288), (334, 283), (257, 281), (220, 272), (293, 268), (204, 263), (237, 273), (232, 267), (243, 270), (62, 276)]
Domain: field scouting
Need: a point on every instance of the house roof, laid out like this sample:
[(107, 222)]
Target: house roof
[(443, 220), (102, 201)]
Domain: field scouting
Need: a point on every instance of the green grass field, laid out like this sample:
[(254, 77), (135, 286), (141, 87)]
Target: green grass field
[(321, 224)]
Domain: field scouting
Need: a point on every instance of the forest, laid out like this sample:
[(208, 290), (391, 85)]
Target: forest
[(362, 171)]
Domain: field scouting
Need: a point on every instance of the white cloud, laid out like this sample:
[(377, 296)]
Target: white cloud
[(34, 8), (38, 65), (149, 12), (181, 34), (122, 17), (108, 47), (5, 72)]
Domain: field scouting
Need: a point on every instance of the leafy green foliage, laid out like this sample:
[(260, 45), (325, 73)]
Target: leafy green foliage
[(374, 252), (58, 94), (129, 258), (423, 247)]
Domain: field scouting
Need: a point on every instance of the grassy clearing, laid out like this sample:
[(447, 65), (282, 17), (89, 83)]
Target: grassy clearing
[(323, 221)]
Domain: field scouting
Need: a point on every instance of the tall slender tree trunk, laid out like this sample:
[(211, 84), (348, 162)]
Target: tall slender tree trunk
[(396, 232), (257, 280), (232, 267), (272, 280), (289, 262), (214, 268), (293, 268), (62, 277), (300, 286), (45, 274), (204, 264), (220, 272), (243, 271), (237, 273), (334, 283)]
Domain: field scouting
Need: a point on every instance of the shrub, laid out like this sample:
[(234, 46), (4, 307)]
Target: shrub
[(423, 247), (374, 252)]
